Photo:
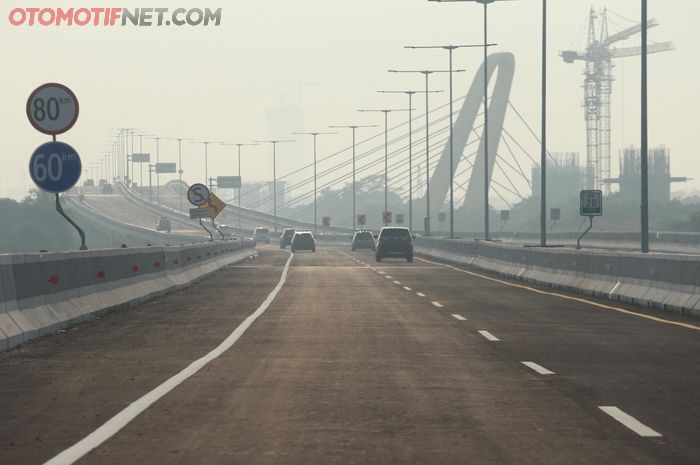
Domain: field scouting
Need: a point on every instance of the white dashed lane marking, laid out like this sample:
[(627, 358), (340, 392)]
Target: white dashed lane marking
[(458, 317), (437, 304), (630, 422), (538, 368), (489, 336), (407, 288), (420, 294)]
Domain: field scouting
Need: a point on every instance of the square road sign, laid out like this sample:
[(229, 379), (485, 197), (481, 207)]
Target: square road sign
[(591, 203)]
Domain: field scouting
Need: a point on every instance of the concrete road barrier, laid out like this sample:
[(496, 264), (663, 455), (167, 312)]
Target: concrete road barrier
[(46, 292), (669, 282)]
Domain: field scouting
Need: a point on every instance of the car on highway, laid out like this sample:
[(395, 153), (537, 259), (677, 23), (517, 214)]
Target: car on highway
[(226, 230), (303, 240), (363, 240), (107, 189), (394, 242), (262, 235), (164, 224), (89, 183), (286, 238)]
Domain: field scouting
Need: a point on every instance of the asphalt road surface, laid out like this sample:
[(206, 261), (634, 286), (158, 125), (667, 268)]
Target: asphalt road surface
[(349, 361)]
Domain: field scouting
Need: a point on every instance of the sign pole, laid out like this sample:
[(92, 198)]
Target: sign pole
[(59, 209)]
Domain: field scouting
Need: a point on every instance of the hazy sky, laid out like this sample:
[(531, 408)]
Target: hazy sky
[(216, 83)]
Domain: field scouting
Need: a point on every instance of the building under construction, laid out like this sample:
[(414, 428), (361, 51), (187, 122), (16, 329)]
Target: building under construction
[(660, 178), (565, 178), (601, 49)]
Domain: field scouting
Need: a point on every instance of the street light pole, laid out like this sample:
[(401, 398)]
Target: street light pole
[(645, 133), (386, 152), (274, 173), (315, 136), (543, 154), (180, 171), (354, 187), (450, 49), (239, 175), (410, 94), (427, 74)]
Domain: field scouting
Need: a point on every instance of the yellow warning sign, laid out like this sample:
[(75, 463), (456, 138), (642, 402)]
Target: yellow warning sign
[(215, 206)]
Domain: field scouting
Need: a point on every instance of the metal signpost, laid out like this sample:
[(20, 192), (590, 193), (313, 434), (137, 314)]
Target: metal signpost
[(505, 217), (55, 167), (326, 221), (140, 158), (228, 182), (554, 217), (591, 205), (198, 195)]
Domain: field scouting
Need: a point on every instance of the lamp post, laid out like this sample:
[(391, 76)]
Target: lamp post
[(486, 107), (239, 175), (450, 49), (427, 73), (410, 94), (157, 139), (645, 133), (274, 173), (354, 184), (315, 136), (206, 155), (180, 171), (386, 151)]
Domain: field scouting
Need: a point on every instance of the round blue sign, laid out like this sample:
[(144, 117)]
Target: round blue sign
[(55, 167)]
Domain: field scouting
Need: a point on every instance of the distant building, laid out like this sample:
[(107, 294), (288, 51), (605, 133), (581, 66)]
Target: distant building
[(564, 178), (660, 178)]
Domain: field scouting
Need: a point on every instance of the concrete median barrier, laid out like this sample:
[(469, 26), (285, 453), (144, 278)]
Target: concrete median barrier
[(43, 293), (666, 281)]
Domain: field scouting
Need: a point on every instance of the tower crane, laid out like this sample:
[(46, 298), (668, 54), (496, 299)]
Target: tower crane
[(597, 84)]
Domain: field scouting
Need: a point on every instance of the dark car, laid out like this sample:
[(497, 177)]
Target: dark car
[(107, 189), (303, 240), (164, 224), (363, 240), (394, 242), (286, 238)]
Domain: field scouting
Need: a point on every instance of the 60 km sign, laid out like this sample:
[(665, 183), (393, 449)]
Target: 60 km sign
[(55, 167), (52, 109)]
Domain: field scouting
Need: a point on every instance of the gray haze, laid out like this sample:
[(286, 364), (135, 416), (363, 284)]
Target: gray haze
[(217, 83)]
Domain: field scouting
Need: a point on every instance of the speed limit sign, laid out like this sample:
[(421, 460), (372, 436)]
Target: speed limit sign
[(198, 194), (52, 109), (55, 167)]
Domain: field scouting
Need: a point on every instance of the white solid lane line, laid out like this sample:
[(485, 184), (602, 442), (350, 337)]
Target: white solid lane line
[(420, 294), (407, 288), (630, 422), (123, 418), (437, 304), (489, 336), (538, 368), (458, 317)]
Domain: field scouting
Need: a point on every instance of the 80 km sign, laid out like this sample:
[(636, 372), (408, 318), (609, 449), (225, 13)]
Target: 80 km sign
[(52, 109), (55, 167)]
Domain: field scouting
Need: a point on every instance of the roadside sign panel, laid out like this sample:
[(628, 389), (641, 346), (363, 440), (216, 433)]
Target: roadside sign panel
[(442, 217), (326, 220), (199, 213), (52, 109), (399, 218), (362, 220), (165, 168), (505, 215), (228, 182), (198, 194), (555, 214), (215, 206), (55, 167), (591, 203), (386, 217), (141, 157)]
